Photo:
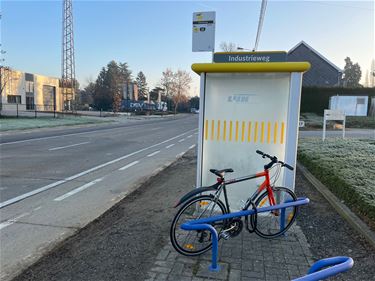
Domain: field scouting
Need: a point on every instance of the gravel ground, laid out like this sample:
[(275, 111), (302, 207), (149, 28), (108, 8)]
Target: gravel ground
[(123, 243), (330, 235)]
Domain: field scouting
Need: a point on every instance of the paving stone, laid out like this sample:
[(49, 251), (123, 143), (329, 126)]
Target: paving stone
[(160, 269), (163, 254), (161, 277), (251, 279), (179, 278), (234, 275), (249, 258), (177, 268), (164, 264), (252, 274), (203, 271)]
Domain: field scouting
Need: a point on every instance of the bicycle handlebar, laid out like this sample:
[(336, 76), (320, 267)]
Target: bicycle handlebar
[(274, 160)]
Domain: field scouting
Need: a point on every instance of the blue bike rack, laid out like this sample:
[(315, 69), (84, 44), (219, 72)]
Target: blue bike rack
[(203, 224), (334, 266)]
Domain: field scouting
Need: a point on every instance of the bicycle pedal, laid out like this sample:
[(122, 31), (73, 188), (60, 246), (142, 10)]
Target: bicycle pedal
[(225, 235)]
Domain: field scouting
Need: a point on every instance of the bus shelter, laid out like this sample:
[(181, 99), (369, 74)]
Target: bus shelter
[(245, 107)]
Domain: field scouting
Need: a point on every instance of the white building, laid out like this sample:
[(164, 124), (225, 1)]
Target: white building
[(29, 91)]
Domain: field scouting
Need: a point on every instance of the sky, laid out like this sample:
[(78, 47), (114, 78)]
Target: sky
[(154, 35)]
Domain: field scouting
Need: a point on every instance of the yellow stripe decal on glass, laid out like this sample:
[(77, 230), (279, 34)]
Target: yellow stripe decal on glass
[(212, 129), (236, 130), (225, 130), (249, 132), (275, 133), (256, 132), (230, 130), (269, 132), (262, 133), (206, 131), (282, 132), (218, 130), (243, 131)]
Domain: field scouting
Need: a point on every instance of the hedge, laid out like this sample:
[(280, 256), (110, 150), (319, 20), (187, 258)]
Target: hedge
[(316, 99), (346, 168)]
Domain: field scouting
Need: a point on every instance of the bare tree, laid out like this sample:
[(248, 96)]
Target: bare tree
[(181, 85), (372, 74), (5, 73), (228, 46), (167, 81)]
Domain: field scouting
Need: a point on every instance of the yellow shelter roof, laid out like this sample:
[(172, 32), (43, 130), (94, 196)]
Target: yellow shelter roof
[(250, 67)]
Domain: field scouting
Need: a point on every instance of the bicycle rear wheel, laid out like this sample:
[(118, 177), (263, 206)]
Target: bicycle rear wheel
[(195, 242), (274, 223)]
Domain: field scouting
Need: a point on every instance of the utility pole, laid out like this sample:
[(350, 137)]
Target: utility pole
[(68, 75)]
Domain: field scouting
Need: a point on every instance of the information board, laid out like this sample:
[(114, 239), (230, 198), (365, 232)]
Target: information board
[(204, 31)]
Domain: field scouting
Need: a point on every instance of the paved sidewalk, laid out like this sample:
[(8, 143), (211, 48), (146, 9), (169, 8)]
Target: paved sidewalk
[(247, 257)]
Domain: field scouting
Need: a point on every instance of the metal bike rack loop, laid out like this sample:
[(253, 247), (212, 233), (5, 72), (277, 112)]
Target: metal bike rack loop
[(203, 224)]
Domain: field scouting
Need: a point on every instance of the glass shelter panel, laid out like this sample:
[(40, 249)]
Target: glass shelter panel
[(243, 112)]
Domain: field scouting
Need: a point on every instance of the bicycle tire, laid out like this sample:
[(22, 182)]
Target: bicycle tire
[(185, 246), (268, 224)]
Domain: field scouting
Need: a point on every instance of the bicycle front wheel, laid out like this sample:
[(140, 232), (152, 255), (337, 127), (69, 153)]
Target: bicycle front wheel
[(195, 242), (274, 223)]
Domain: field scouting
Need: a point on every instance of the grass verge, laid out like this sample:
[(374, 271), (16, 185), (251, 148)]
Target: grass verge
[(346, 167), (12, 123)]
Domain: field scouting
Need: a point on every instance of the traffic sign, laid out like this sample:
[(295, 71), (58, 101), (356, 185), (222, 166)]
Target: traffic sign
[(204, 31)]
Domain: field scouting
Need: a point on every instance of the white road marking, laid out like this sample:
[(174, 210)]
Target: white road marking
[(44, 188), (192, 146), (196, 133), (169, 146), (154, 153), (189, 136), (12, 221), (181, 140), (5, 224), (73, 134), (129, 165), (62, 147), (79, 189)]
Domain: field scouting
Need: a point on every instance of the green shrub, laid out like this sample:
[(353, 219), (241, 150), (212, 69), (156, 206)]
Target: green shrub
[(346, 167)]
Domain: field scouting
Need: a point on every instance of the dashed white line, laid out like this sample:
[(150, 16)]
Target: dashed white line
[(79, 189), (181, 140), (72, 145), (192, 146), (129, 165), (12, 221), (44, 188), (169, 146), (196, 133), (189, 136), (154, 153), (6, 223)]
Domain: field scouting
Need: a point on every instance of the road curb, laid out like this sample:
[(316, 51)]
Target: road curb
[(354, 221)]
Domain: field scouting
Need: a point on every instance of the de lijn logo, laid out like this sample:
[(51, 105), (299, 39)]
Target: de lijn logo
[(239, 98)]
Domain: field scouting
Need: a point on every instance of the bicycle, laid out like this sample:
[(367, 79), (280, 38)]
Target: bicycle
[(267, 225)]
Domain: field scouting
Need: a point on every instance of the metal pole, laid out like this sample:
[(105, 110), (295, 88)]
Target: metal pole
[(35, 110), (17, 110)]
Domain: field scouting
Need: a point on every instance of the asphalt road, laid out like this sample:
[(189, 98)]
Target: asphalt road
[(54, 182)]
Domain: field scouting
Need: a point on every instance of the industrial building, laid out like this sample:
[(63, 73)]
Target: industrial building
[(29, 91)]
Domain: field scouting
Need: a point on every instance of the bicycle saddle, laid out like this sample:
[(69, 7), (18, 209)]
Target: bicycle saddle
[(220, 173)]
